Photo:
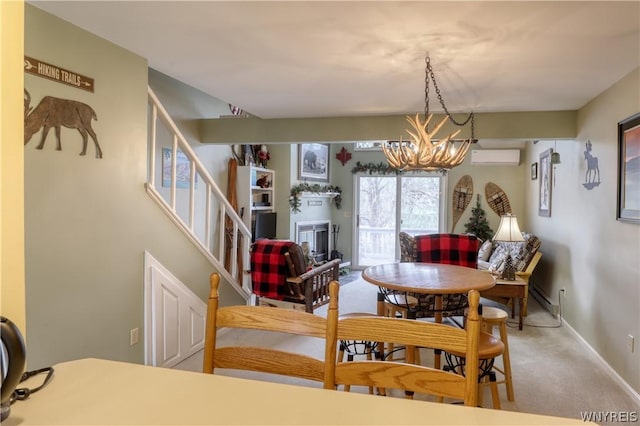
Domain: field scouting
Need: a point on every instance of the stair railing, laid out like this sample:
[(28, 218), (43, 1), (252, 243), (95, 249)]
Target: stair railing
[(204, 214)]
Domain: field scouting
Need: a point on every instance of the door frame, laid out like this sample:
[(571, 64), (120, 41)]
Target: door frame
[(443, 211)]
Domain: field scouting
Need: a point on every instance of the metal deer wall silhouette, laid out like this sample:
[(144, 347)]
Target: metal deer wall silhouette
[(592, 176), (54, 113)]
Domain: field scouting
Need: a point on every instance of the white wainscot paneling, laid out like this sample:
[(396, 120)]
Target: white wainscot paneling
[(174, 317)]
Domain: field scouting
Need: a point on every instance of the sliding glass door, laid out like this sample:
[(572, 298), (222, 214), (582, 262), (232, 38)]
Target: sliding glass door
[(386, 205)]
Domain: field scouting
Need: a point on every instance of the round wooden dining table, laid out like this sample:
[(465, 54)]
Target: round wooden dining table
[(427, 278)]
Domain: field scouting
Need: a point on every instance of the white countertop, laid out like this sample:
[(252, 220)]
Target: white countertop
[(92, 391)]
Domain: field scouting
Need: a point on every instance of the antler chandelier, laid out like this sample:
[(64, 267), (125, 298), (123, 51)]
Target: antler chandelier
[(424, 151)]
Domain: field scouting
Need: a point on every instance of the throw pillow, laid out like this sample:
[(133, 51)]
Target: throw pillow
[(485, 250), (297, 260), (496, 261), (408, 250)]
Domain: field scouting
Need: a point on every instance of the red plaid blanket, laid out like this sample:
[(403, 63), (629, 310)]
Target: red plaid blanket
[(269, 268), (451, 249)]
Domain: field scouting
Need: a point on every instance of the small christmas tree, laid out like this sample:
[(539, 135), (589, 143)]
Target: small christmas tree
[(478, 224)]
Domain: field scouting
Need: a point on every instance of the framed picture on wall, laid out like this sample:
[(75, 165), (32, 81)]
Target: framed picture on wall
[(546, 171), (629, 170), (183, 169), (313, 162), (534, 171)]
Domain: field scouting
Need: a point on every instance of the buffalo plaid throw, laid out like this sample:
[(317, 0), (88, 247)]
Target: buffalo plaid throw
[(451, 249), (269, 268)]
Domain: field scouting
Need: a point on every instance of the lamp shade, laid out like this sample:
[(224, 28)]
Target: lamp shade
[(508, 230)]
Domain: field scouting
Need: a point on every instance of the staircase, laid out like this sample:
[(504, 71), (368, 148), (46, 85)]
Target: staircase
[(187, 193)]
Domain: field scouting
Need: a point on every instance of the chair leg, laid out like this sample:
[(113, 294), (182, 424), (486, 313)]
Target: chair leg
[(369, 349), (369, 358), (495, 396), (506, 360)]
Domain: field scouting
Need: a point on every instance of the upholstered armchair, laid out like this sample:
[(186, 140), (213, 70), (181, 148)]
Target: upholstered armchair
[(280, 276), (451, 249)]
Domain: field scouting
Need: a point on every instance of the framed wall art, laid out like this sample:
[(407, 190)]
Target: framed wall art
[(544, 199), (629, 170), (183, 169), (534, 171), (313, 162)]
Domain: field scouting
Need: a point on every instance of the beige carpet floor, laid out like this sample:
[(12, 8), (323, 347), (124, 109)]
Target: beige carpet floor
[(554, 373)]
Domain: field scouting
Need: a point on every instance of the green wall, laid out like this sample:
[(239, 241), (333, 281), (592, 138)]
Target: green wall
[(89, 221), (585, 249)]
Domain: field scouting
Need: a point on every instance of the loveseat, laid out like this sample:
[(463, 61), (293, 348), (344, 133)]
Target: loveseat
[(491, 257), (492, 254), (525, 256)]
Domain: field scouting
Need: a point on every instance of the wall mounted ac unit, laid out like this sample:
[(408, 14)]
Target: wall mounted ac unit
[(495, 157)]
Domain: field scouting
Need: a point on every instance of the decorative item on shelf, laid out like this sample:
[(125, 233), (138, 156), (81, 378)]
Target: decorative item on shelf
[(297, 190), (237, 112), (343, 156), (263, 156), (381, 168), (245, 156), (462, 193), (592, 177), (423, 151), (478, 224), (263, 182), (508, 231)]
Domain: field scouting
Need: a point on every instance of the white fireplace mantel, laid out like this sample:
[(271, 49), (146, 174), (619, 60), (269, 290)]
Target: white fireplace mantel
[(307, 194)]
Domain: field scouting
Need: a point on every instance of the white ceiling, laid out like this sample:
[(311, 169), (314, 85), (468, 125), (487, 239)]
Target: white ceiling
[(334, 58)]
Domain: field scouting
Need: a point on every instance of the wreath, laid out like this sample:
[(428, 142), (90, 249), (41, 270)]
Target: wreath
[(297, 190)]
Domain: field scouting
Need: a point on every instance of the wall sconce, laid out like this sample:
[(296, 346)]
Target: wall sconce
[(555, 155)]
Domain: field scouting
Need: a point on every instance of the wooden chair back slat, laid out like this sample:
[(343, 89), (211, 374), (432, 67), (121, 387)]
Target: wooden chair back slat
[(413, 333), (403, 332), (272, 361), (272, 319), (269, 319), (397, 375)]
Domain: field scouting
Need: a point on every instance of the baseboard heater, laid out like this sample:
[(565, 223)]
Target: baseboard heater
[(544, 300)]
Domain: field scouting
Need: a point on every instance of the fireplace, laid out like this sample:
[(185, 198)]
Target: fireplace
[(317, 235)]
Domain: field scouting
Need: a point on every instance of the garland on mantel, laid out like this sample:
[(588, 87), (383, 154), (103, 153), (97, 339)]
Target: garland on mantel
[(381, 168), (297, 190)]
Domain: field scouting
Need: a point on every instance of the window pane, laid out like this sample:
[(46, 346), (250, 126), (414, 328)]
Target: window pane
[(377, 207), (420, 209)]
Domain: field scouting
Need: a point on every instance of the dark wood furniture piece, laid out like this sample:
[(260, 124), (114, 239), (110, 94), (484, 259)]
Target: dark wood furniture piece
[(280, 277)]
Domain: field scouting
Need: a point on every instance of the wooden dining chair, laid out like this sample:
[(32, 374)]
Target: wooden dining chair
[(409, 376), (264, 318)]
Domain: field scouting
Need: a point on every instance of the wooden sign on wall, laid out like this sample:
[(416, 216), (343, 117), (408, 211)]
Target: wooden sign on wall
[(60, 75)]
